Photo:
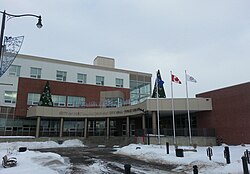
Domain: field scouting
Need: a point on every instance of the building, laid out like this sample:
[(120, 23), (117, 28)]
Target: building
[(230, 116), (73, 85), (101, 100)]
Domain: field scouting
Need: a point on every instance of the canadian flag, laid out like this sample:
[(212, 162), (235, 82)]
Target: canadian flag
[(175, 79)]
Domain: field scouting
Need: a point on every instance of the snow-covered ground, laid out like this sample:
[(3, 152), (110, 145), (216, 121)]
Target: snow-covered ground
[(51, 163), (34, 161), (217, 165)]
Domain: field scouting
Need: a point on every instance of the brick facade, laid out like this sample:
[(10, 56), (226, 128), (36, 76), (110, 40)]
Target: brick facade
[(90, 92), (230, 115)]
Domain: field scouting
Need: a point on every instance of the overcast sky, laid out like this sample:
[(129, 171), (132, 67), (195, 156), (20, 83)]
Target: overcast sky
[(208, 38)]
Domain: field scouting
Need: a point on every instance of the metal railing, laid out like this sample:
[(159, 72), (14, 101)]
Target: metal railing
[(44, 132), (17, 131), (202, 132)]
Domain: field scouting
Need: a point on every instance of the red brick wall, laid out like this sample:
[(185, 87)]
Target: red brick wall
[(90, 92), (230, 115)]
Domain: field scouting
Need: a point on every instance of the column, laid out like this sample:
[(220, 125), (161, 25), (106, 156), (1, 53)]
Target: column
[(154, 125), (85, 127), (143, 122), (108, 127), (61, 127), (38, 120), (127, 130)]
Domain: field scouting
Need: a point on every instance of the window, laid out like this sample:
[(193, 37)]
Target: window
[(33, 99), (100, 80), (124, 129), (14, 70), (139, 91), (59, 100), (10, 97), (81, 78), (75, 101), (61, 75), (119, 83), (113, 102), (132, 129), (35, 72)]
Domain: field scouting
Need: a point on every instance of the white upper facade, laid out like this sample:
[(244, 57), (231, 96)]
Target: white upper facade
[(49, 71)]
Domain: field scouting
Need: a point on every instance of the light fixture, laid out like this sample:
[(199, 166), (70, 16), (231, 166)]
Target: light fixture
[(39, 23)]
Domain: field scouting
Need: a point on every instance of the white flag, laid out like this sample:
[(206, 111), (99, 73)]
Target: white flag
[(191, 79)]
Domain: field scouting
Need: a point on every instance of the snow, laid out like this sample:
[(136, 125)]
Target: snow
[(157, 153), (50, 163), (34, 161)]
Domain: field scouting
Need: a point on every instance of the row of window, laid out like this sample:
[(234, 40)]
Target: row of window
[(14, 70), (58, 100)]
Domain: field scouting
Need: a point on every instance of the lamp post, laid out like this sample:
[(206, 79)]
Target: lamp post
[(39, 25)]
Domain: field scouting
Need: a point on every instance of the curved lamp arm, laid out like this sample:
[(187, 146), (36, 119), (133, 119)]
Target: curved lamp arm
[(39, 23)]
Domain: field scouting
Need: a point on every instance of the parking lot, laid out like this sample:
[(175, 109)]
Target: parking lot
[(103, 161)]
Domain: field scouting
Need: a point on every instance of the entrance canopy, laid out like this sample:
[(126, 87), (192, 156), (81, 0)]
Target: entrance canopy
[(164, 105)]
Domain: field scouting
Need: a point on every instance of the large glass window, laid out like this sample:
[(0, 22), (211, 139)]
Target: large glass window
[(59, 100), (81, 78), (75, 101), (10, 97), (14, 70), (33, 99), (113, 102), (100, 80), (119, 82), (61, 75), (139, 91), (71, 126), (35, 72)]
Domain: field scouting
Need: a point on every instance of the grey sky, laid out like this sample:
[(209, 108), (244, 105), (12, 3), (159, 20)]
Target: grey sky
[(208, 38)]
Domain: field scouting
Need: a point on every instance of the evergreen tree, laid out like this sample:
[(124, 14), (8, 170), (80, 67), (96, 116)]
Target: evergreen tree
[(159, 83), (46, 99)]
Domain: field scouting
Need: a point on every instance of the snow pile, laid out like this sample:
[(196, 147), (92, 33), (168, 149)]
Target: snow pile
[(34, 161), (157, 153), (41, 145)]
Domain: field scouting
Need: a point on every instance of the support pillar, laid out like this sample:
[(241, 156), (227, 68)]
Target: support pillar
[(108, 127), (85, 127), (38, 120), (127, 130), (143, 122), (61, 127), (154, 126)]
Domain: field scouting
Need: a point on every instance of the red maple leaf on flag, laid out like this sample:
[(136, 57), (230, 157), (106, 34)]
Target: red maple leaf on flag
[(175, 79)]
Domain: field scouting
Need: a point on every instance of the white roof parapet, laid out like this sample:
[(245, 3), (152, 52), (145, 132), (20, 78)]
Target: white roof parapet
[(104, 62)]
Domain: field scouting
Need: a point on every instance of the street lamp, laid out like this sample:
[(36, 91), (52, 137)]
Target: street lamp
[(39, 25)]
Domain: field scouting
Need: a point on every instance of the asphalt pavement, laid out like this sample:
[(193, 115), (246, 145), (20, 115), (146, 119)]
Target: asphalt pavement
[(98, 160)]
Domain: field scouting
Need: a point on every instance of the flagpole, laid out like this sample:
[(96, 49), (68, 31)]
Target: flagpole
[(173, 108), (157, 105), (189, 124)]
